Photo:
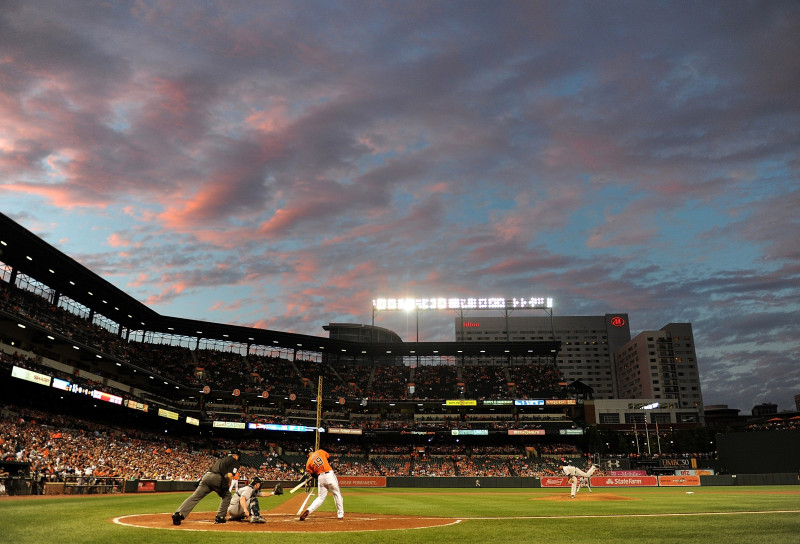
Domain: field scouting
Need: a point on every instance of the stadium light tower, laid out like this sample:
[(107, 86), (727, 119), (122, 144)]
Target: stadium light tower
[(462, 304), (646, 408)]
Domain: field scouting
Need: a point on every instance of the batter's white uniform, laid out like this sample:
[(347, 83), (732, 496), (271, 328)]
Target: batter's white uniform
[(326, 479), (327, 482)]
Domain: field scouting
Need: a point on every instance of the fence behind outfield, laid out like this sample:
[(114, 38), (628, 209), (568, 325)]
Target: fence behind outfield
[(26, 486)]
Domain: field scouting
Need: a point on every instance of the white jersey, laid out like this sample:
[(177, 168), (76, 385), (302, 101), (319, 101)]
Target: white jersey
[(235, 508), (569, 470)]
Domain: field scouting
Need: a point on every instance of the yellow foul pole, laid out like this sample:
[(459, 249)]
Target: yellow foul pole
[(319, 413)]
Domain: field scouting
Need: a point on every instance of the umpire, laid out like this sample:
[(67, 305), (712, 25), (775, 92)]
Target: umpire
[(217, 479)]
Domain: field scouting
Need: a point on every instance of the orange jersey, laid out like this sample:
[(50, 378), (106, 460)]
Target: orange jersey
[(318, 462)]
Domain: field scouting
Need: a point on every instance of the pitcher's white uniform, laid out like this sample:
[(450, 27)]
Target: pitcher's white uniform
[(575, 475)]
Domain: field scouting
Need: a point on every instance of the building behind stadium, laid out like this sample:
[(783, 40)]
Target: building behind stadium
[(598, 355)]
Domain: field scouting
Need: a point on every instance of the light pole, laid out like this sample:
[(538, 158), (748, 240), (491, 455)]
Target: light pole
[(646, 408), (658, 438)]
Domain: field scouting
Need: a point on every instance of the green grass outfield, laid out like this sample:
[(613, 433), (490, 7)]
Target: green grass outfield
[(768, 514)]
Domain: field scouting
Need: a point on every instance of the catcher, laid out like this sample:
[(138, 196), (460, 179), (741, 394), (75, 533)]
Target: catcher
[(244, 503)]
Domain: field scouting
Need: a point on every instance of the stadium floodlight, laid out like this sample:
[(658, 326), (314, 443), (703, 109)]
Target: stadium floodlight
[(460, 303), (651, 406)]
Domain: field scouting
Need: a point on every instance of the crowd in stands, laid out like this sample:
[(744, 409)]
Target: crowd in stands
[(61, 448), (776, 424), (68, 449), (278, 375), (557, 449), (260, 414), (486, 382)]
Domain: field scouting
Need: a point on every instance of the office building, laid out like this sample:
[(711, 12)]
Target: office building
[(660, 365), (588, 342)]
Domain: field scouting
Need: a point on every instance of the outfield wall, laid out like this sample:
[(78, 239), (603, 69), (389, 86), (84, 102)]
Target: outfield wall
[(460, 482), (454, 482)]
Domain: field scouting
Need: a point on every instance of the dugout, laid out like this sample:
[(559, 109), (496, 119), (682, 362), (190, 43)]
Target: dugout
[(18, 479)]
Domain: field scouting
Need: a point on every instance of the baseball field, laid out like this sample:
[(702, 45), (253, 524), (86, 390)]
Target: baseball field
[(768, 514)]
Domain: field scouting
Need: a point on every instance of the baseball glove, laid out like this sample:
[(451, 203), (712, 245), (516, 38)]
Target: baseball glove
[(278, 490)]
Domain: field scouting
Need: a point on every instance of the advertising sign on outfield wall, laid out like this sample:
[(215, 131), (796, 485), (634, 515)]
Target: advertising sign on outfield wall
[(361, 481), (624, 481), (675, 481), (554, 481)]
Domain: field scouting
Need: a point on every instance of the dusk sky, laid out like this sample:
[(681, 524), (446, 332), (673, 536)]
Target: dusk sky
[(280, 164)]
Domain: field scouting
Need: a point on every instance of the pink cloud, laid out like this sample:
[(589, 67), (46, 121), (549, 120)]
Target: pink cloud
[(270, 120), (61, 196), (117, 239), (139, 280), (169, 292), (582, 151)]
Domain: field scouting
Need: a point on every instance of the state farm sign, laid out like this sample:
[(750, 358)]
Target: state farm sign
[(626, 481)]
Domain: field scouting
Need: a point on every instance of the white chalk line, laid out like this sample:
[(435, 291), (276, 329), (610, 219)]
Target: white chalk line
[(662, 515), (120, 520), (308, 496)]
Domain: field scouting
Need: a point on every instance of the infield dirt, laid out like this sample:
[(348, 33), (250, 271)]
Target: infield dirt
[(284, 519)]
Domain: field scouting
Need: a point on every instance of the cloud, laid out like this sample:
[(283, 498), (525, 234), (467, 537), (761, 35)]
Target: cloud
[(279, 165)]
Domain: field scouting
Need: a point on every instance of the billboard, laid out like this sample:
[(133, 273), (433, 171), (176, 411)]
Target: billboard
[(624, 481), (678, 481), (554, 481), (361, 481), (30, 376)]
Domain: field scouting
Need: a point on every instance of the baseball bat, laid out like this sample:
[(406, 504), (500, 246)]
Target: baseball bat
[(303, 506), (298, 486)]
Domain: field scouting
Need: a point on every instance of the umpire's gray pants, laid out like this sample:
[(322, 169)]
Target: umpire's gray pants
[(210, 481)]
